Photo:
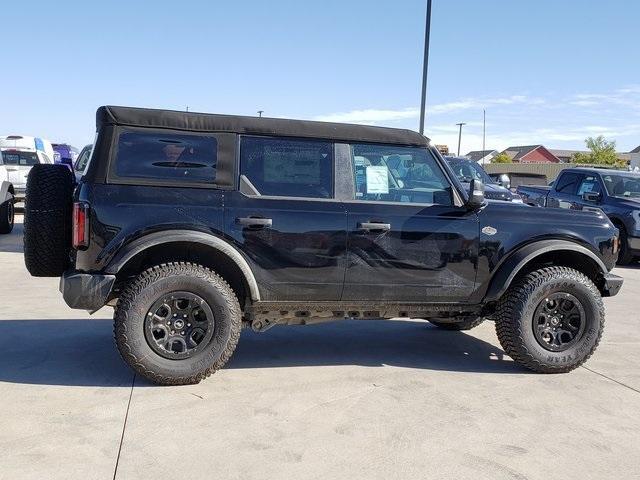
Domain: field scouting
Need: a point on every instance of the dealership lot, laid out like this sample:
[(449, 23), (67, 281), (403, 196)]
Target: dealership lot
[(373, 399)]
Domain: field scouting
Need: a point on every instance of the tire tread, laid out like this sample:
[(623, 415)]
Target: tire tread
[(513, 303), (143, 281)]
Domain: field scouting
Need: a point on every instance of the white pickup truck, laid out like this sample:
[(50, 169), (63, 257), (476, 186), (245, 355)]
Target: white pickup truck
[(20, 153), (7, 192)]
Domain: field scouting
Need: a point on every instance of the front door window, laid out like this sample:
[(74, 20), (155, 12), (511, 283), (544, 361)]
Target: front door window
[(391, 173)]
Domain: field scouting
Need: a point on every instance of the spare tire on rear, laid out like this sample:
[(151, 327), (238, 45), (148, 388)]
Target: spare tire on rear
[(47, 220)]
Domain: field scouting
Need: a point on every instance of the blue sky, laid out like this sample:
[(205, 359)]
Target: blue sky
[(550, 72)]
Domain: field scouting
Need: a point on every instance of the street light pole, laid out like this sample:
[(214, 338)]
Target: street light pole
[(425, 67), (260, 112), (484, 133), (460, 135)]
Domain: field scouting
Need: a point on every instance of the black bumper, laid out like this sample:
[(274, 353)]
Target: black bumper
[(612, 285), (86, 291)]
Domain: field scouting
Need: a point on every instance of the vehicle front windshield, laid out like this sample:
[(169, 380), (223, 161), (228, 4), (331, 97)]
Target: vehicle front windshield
[(468, 170), (19, 158), (622, 185)]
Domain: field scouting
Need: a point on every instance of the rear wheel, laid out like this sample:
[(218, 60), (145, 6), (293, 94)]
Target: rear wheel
[(7, 214), (625, 257), (467, 324), (551, 321), (177, 323)]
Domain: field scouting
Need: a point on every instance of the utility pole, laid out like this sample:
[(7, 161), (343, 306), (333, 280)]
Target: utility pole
[(260, 112), (425, 67), (460, 135), (484, 133)]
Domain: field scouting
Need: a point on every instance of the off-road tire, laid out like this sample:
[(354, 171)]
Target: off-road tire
[(7, 214), (144, 290), (47, 220), (515, 312), (467, 324), (625, 256)]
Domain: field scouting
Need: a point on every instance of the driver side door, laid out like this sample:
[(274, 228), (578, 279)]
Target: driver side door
[(408, 239)]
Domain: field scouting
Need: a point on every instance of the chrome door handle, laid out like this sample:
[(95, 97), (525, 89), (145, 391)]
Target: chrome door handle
[(374, 227), (254, 222)]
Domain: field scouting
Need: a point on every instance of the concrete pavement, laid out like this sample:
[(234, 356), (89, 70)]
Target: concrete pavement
[(377, 399)]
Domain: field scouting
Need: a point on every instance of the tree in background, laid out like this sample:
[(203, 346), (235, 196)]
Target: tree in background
[(602, 152), (501, 158)]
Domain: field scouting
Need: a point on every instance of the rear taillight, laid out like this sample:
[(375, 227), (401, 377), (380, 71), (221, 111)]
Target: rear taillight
[(80, 225)]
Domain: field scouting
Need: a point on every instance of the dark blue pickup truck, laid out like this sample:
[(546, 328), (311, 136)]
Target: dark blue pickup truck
[(615, 192)]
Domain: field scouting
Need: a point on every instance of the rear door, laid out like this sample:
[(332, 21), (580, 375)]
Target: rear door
[(285, 219), (408, 241)]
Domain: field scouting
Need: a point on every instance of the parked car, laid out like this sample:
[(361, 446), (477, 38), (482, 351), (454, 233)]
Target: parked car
[(467, 170), (7, 193), (20, 153), (65, 154), (513, 180), (615, 192), (192, 225), (82, 161)]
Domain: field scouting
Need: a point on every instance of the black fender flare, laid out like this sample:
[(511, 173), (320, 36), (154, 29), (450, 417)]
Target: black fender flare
[(141, 244), (509, 268)]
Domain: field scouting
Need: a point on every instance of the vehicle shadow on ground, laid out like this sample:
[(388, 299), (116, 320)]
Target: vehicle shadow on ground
[(82, 352), (632, 266), (371, 343), (61, 352), (12, 242)]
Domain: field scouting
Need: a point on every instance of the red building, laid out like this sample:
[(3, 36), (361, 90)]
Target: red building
[(531, 154)]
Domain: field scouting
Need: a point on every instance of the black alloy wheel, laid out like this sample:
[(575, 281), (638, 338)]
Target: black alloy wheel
[(558, 322), (177, 325), (11, 212)]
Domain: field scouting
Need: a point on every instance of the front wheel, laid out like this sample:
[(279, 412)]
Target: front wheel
[(177, 323), (625, 256), (7, 214), (551, 321)]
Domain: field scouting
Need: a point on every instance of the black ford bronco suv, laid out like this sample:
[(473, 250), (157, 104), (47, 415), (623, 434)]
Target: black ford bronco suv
[(194, 225)]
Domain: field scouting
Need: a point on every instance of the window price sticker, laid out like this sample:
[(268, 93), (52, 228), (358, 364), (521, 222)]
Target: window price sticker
[(377, 179)]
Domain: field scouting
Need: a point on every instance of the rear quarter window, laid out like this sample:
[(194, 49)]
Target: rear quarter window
[(288, 167), (169, 157), (568, 183)]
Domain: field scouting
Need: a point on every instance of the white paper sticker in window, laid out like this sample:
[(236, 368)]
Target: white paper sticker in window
[(377, 179)]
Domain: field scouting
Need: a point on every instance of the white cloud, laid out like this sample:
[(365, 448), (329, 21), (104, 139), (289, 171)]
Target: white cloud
[(622, 97), (478, 103), (560, 121), (370, 116)]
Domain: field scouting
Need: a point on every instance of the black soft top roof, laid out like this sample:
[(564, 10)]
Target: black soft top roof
[(206, 122)]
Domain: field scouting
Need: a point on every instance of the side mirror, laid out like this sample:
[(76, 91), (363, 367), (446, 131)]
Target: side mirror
[(476, 194), (591, 197), (505, 181)]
